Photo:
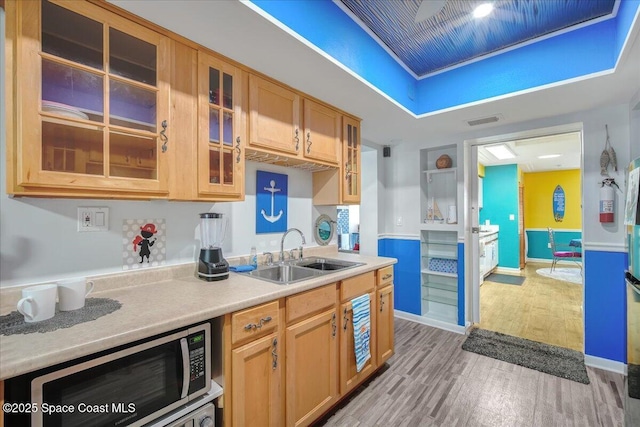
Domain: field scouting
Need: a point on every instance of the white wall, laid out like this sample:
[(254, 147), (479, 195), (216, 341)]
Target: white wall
[(634, 125), (39, 241), (402, 170), (369, 202)]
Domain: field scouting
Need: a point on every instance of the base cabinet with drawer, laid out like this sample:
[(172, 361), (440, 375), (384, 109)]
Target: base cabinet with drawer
[(352, 288), (288, 362), (254, 376), (312, 355), (384, 315)]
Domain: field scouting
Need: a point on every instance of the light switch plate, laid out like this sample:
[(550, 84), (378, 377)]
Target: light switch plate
[(93, 218)]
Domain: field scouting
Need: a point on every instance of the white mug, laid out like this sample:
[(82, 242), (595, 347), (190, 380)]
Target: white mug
[(38, 303), (72, 293)]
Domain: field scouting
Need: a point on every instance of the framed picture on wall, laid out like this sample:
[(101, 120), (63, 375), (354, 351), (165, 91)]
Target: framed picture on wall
[(271, 202)]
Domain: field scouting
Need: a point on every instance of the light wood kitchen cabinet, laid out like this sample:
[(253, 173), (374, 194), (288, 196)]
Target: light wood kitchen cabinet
[(350, 289), (274, 114), (312, 355), (342, 186), (384, 326), (88, 102), (221, 129), (254, 360), (256, 383), (321, 132), (351, 161)]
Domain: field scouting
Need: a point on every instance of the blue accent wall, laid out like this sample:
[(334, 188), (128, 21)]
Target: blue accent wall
[(605, 323), (591, 49), (570, 55), (538, 240), (461, 294), (406, 272), (626, 13), (500, 189), (326, 26)]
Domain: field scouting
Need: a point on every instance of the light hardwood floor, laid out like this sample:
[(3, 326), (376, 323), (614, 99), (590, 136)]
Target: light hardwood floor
[(431, 381), (541, 309)]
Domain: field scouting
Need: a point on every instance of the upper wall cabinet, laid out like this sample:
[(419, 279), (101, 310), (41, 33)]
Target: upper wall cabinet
[(289, 129), (221, 128), (88, 109), (351, 161), (274, 114), (342, 186), (321, 132)]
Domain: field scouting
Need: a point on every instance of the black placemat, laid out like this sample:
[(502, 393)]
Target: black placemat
[(94, 308)]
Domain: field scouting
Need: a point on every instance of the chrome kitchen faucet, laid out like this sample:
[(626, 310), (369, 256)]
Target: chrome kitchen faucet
[(282, 243)]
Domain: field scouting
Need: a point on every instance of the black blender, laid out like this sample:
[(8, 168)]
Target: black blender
[(212, 266)]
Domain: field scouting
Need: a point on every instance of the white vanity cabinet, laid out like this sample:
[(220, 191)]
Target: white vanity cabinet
[(488, 252)]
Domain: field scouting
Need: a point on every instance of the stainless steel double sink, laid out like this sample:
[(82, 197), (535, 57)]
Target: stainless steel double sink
[(297, 270)]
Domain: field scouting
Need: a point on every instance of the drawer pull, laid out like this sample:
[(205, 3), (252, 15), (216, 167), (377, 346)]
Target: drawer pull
[(387, 276), (274, 353), (254, 326)]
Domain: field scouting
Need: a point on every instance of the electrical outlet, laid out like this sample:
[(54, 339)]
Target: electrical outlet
[(93, 218), (549, 245)]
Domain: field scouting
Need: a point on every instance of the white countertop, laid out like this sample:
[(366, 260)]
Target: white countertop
[(171, 298)]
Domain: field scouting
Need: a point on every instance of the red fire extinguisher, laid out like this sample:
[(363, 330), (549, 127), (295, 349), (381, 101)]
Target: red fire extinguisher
[(607, 199)]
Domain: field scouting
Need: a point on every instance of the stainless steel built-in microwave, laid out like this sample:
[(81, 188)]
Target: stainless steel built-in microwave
[(129, 387)]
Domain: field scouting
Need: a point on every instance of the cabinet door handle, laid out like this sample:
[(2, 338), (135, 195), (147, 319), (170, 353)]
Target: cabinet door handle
[(163, 136), (345, 318), (309, 142), (274, 353), (333, 325), (381, 303), (347, 168), (238, 150), (297, 139)]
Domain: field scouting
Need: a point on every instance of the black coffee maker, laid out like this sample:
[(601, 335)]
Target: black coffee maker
[(212, 266)]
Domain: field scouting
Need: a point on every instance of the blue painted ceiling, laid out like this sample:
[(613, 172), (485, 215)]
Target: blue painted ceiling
[(453, 36)]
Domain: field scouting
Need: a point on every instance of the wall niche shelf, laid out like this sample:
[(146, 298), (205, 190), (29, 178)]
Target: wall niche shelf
[(430, 172), (439, 237)]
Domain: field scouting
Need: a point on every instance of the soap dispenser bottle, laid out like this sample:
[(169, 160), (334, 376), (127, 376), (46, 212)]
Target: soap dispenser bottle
[(253, 257)]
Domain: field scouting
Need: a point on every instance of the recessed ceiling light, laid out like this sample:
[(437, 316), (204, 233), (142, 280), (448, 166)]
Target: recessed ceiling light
[(501, 151), (549, 156), (482, 10)]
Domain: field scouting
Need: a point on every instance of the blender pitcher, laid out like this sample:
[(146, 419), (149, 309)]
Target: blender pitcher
[(212, 265)]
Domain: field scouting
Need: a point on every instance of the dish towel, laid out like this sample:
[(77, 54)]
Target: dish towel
[(241, 268), (361, 330)]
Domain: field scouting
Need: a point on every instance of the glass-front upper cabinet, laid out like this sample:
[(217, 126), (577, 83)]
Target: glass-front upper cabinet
[(352, 161), (221, 132), (92, 100)]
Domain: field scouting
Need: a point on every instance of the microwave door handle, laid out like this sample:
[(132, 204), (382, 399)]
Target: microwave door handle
[(185, 367)]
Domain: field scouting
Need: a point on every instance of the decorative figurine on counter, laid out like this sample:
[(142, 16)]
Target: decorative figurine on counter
[(146, 232)]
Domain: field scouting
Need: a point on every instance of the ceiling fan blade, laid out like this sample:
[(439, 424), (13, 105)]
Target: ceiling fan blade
[(428, 8)]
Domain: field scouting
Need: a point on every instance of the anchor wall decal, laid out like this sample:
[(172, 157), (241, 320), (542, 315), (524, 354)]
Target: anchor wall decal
[(272, 218)]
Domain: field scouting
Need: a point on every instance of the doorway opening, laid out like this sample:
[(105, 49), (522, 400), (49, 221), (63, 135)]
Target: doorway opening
[(527, 184)]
